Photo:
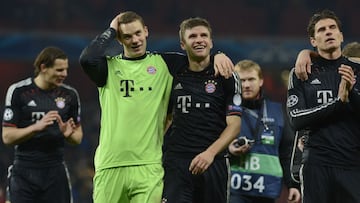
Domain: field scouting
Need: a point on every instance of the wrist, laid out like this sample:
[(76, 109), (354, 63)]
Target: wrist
[(219, 52)]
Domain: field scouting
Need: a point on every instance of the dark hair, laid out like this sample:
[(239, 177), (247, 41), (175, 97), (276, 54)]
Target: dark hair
[(193, 22), (324, 14), (47, 57)]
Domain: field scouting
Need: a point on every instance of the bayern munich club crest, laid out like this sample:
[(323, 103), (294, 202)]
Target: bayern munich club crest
[(151, 70), (60, 102), (210, 86)]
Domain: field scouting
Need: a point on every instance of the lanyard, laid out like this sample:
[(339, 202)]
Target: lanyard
[(259, 118)]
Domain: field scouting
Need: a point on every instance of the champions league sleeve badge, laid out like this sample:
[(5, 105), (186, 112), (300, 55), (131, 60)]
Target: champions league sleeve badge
[(292, 100), (8, 114)]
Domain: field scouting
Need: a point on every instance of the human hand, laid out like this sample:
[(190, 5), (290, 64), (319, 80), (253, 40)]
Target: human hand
[(347, 81), (238, 150), (343, 93), (293, 196), (347, 74), (223, 65), (48, 119), (66, 128), (303, 65), (301, 143), (201, 162), (115, 22)]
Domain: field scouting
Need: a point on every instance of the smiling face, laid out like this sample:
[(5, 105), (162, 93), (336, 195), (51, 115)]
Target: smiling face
[(133, 37), (51, 68), (197, 42), (327, 37), (54, 76)]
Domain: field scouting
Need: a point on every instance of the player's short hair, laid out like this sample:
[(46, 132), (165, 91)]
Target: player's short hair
[(47, 56), (324, 14), (247, 65), (352, 49), (193, 22), (129, 17), (126, 18)]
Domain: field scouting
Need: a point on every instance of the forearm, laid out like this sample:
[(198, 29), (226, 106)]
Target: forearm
[(227, 136), (303, 118), (14, 135), (98, 46), (300, 114), (286, 167), (285, 153), (93, 59)]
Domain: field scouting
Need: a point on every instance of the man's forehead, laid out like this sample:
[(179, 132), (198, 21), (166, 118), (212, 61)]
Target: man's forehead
[(325, 22), (131, 28)]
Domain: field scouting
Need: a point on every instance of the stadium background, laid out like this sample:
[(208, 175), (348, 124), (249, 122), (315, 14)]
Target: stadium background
[(271, 32)]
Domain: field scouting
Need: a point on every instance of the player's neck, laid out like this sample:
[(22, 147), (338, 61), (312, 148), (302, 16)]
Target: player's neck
[(330, 55), (41, 83), (200, 65)]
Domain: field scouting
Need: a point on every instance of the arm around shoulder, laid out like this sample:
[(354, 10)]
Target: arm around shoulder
[(303, 63), (223, 65)]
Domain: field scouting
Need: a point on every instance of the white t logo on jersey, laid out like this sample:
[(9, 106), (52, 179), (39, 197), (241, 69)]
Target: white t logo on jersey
[(183, 102), (324, 96)]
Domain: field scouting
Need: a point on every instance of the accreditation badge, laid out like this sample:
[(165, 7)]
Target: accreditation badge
[(267, 137)]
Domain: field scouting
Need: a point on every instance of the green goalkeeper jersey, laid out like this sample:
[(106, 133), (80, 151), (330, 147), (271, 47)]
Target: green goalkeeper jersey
[(134, 104)]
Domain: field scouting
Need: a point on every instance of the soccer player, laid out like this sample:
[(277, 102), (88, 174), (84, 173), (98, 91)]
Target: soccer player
[(134, 90), (41, 113), (352, 52), (206, 118), (328, 105)]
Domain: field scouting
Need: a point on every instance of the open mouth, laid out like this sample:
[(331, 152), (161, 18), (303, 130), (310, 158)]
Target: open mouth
[(60, 80), (199, 47)]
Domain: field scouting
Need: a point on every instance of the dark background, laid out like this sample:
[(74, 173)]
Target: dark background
[(271, 32)]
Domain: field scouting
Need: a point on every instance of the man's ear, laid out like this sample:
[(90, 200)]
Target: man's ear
[(146, 30), (182, 45), (313, 42), (43, 68), (261, 82), (342, 37)]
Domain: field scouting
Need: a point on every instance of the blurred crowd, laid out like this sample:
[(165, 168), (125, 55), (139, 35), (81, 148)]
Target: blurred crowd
[(245, 17)]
